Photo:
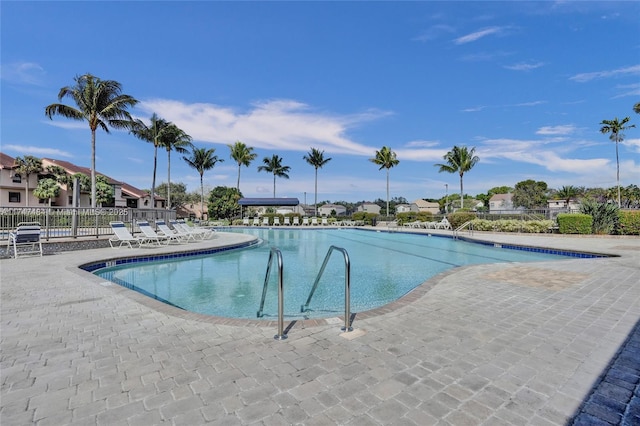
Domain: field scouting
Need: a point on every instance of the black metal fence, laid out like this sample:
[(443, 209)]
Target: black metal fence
[(71, 222)]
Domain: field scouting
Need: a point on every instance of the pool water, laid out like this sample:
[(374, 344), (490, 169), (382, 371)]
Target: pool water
[(384, 267)]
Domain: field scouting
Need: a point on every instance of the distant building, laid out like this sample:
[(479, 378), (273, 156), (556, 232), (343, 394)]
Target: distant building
[(403, 208), (502, 204), (327, 209), (421, 205), (369, 208), (573, 205)]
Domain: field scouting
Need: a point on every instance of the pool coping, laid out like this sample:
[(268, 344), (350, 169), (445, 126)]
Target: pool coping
[(411, 296)]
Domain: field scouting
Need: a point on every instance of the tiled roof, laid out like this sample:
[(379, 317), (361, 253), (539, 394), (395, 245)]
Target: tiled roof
[(6, 161)]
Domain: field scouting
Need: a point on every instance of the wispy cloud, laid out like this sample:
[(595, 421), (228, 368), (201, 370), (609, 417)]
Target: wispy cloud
[(276, 124), (434, 33), (478, 35), (633, 144), (22, 73), (529, 104), (36, 151), (585, 77), (65, 123), (628, 90), (422, 144), (522, 66), (565, 129)]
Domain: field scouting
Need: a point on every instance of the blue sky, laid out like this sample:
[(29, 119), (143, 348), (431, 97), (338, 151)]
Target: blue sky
[(526, 83)]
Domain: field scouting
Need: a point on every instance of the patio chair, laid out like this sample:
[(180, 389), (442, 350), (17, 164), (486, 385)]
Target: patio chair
[(197, 231), (153, 236), (245, 221), (187, 233), (305, 221), (287, 221), (443, 224), (296, 221), (256, 221), (27, 238), (165, 230), (265, 221), (276, 221), (314, 221), (325, 222), (123, 236)]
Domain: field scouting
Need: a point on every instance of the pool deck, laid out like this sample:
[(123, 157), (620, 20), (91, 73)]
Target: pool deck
[(546, 343)]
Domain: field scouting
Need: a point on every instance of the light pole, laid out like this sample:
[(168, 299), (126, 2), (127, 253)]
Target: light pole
[(446, 204)]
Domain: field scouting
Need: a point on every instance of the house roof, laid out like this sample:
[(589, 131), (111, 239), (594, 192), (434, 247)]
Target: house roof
[(73, 169), (501, 197), (425, 204), (268, 201), (332, 206), (6, 161)]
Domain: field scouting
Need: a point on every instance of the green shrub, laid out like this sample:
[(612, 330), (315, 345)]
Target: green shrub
[(368, 218), (629, 222), (458, 218), (513, 225), (413, 216), (574, 223), (605, 216)]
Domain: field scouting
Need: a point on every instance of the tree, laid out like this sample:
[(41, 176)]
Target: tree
[(223, 202), (636, 108), (47, 189), (202, 159), (616, 128), (566, 193), (459, 160), (174, 139), (530, 194), (179, 196), (386, 159), (315, 157), (243, 155), (99, 102), (152, 133), (104, 191), (274, 165), (25, 167)]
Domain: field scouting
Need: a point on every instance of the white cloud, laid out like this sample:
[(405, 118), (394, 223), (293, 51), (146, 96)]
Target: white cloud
[(477, 35), (36, 151), (422, 144), (633, 144), (23, 73), (276, 124), (565, 129), (585, 77), (65, 123), (434, 32), (524, 66)]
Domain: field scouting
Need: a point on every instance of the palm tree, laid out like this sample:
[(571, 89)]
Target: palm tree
[(25, 167), (153, 133), (274, 165), (636, 108), (566, 193), (459, 160), (243, 155), (315, 157), (616, 128), (386, 159), (176, 139), (99, 102), (202, 159)]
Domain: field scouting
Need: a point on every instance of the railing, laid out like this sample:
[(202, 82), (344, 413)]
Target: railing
[(347, 286), (468, 224), (74, 222), (278, 255)]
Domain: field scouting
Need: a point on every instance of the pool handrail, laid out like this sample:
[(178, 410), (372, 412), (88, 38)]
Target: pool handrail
[(347, 286), (278, 254)]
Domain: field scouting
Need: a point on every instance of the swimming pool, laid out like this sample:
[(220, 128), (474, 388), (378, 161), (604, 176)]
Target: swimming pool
[(384, 267)]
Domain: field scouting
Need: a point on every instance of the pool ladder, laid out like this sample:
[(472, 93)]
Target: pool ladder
[(277, 254)]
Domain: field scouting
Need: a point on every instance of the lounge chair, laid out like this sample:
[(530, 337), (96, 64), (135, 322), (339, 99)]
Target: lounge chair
[(276, 221), (287, 221), (27, 237), (314, 221), (153, 236), (256, 221), (186, 230), (305, 221), (123, 236), (265, 221), (296, 221), (245, 221), (165, 230), (325, 222), (443, 224), (198, 231)]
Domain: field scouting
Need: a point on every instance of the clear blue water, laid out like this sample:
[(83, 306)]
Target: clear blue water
[(384, 267)]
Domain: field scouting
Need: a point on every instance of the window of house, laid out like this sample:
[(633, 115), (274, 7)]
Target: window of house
[(17, 178), (70, 202), (14, 197)]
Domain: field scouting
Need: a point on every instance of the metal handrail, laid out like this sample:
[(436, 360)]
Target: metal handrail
[(467, 224), (347, 286), (281, 335)]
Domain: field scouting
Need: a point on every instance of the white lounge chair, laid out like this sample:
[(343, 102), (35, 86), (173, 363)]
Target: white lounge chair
[(165, 230), (276, 221), (123, 236), (256, 221), (325, 222), (265, 221), (26, 238), (245, 221), (198, 231), (314, 221), (153, 236), (182, 229), (305, 221), (296, 221), (287, 221), (443, 224)]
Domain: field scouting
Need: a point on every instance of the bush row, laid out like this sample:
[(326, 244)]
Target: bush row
[(513, 225)]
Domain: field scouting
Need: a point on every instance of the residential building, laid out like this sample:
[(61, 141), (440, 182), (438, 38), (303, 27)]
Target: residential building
[(13, 190), (573, 205), (502, 204), (421, 205), (327, 209), (369, 208), (403, 208)]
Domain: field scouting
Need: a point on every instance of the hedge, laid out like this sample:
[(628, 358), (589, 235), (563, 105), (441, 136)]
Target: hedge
[(513, 225), (629, 223), (574, 223)]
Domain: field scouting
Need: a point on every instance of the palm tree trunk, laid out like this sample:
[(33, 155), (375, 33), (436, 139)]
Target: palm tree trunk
[(201, 198), (387, 191), (93, 169), (461, 192), (153, 182), (617, 171), (315, 202), (26, 189), (274, 185), (238, 184), (168, 179)]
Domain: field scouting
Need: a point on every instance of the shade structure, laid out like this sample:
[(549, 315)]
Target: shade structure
[(268, 202)]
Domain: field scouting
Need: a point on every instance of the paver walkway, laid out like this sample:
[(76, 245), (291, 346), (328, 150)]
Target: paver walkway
[(478, 346)]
